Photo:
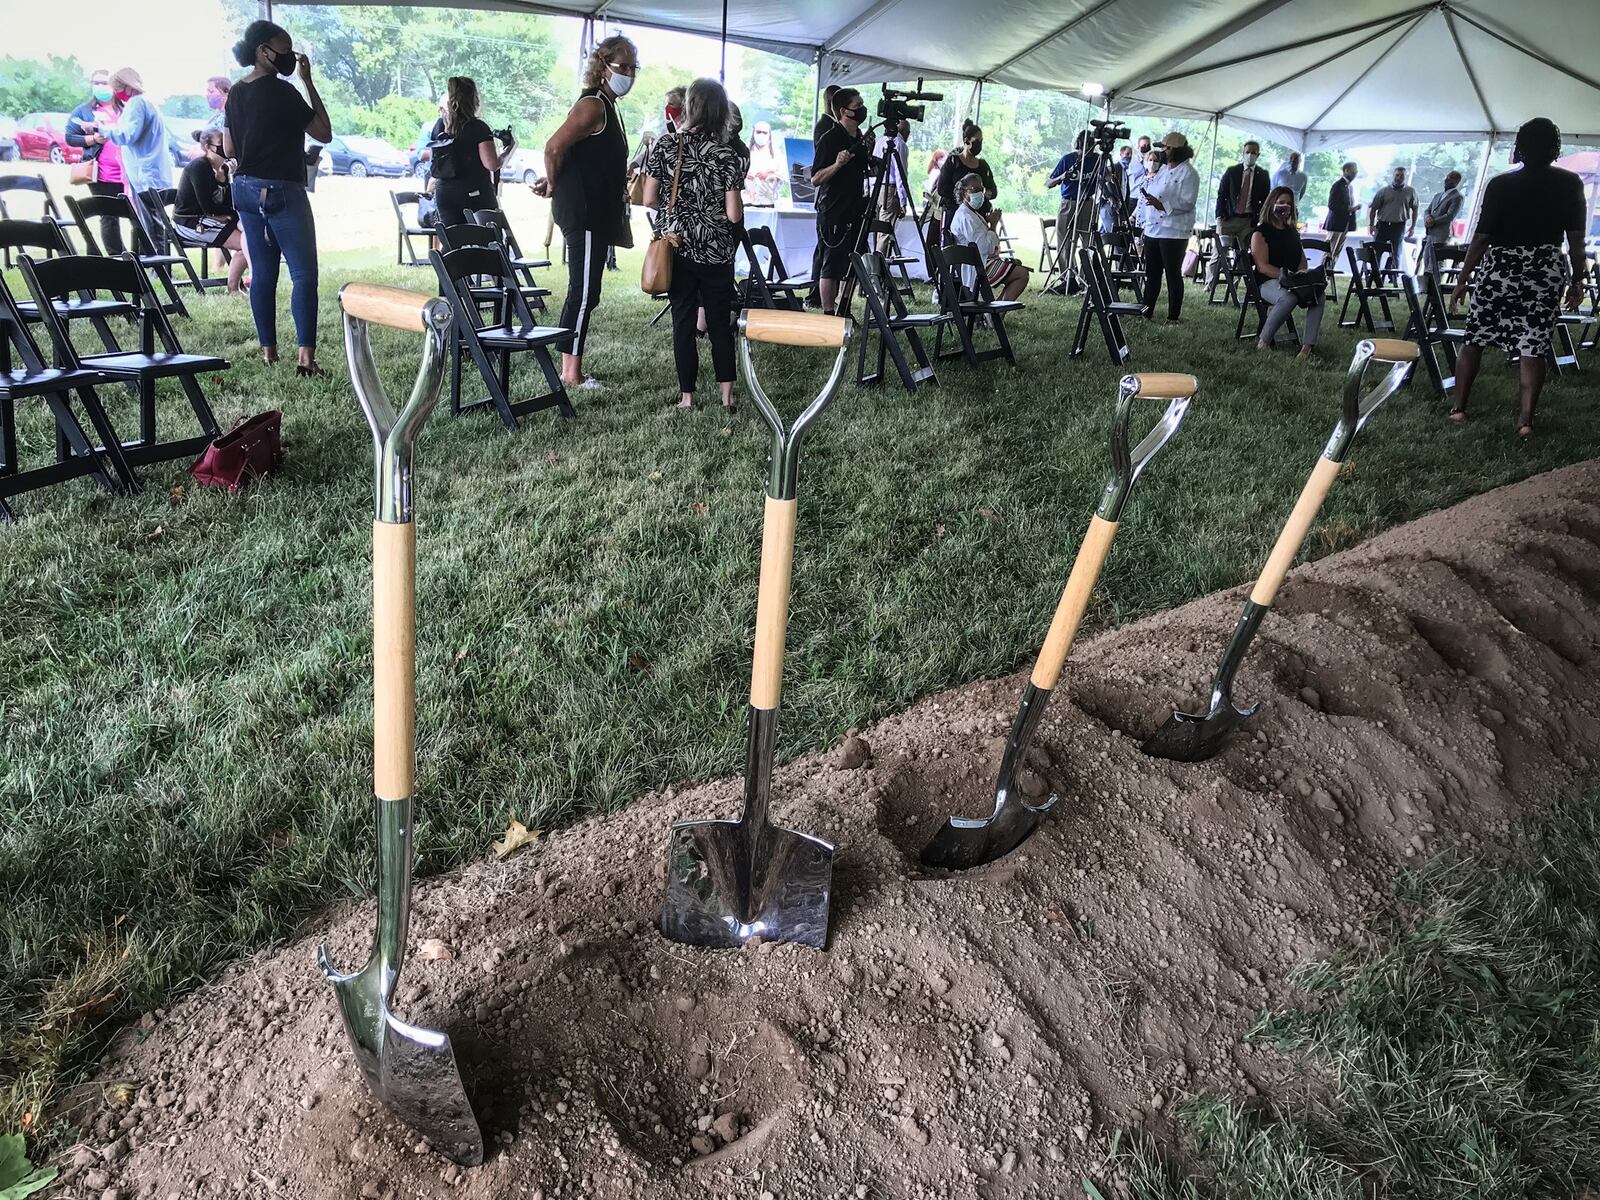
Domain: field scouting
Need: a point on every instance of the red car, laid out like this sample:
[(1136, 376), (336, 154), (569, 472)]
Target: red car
[(42, 136)]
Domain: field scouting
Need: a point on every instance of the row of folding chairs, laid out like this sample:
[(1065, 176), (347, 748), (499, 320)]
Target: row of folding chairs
[(139, 349)]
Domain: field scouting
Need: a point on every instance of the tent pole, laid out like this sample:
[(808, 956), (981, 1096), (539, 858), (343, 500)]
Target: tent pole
[(977, 107), (1477, 191), (722, 72), (1211, 171), (816, 96)]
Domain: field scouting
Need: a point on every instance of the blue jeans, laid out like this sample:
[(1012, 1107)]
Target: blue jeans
[(275, 215)]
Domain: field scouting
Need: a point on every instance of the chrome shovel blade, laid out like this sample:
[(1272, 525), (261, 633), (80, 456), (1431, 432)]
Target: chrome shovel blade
[(732, 882), (1195, 737), (412, 1070), (965, 842)]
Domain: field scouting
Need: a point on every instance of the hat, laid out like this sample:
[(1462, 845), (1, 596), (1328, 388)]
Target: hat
[(1173, 140)]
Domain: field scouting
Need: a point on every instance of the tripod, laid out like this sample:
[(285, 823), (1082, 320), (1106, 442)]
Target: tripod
[(1085, 210), (891, 175)]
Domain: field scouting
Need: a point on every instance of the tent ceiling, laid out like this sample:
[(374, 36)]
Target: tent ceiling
[(1307, 71)]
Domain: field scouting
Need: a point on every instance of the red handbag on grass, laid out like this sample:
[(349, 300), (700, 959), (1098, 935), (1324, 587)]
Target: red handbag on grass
[(251, 449)]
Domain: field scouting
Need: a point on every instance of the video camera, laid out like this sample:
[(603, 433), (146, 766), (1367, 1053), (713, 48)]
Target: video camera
[(1106, 134), (503, 135), (895, 106)]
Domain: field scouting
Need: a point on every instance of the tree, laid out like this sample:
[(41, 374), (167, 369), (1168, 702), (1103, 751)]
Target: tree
[(189, 105), (55, 85)]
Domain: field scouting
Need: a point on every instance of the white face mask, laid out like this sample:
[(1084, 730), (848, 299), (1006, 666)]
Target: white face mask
[(975, 200), (1249, 160), (621, 84)]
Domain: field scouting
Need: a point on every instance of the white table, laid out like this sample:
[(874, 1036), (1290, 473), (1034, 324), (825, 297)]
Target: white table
[(794, 231)]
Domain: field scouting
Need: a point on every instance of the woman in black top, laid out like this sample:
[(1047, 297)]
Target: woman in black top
[(1275, 248), (205, 196), (266, 121), (957, 165), (464, 161), (586, 177), (1517, 298), (694, 179)]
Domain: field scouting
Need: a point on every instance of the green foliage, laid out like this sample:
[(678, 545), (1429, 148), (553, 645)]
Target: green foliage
[(54, 85), (189, 106), (19, 1177), (1460, 1036)]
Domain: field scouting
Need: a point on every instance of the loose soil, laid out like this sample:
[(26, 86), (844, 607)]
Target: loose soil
[(964, 1036)]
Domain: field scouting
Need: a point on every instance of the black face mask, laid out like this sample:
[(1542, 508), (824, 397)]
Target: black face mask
[(858, 113), (283, 62)]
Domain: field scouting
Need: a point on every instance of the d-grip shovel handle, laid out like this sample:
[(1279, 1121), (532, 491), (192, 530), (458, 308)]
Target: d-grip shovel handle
[(1357, 408)]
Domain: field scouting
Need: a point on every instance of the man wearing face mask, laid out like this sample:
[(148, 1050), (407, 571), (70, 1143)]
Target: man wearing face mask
[(217, 88), (1387, 218), (1290, 175), (1240, 194), (100, 109), (1341, 219), (839, 170)]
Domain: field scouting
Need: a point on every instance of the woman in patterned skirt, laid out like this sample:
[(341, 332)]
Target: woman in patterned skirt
[(1517, 297)]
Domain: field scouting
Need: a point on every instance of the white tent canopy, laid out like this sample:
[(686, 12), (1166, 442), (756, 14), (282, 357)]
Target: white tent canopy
[(1307, 73)]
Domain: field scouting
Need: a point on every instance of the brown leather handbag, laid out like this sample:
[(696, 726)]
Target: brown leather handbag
[(656, 278)]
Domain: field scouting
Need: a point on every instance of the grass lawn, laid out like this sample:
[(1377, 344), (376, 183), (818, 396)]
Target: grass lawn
[(185, 681)]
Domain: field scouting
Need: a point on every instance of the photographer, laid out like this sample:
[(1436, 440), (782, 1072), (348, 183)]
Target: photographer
[(839, 172), (1080, 166), (464, 162)]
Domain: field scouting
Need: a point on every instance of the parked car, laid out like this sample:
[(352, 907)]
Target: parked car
[(42, 137), (524, 166), (181, 131), (417, 154), (9, 151), (360, 156)]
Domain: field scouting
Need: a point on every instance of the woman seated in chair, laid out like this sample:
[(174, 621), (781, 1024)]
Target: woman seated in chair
[(205, 202), (1275, 248), (1007, 276)]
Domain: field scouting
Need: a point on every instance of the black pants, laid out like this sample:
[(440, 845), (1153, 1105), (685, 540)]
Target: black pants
[(1164, 256), (110, 227), (456, 199), (696, 285), (586, 264), (1391, 234)]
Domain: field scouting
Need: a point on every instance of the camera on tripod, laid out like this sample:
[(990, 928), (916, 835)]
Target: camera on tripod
[(895, 106), (1106, 134)]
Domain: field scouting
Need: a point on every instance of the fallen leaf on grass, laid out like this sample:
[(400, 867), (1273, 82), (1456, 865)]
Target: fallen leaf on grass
[(551, 456), (639, 663), (938, 530), (177, 496), (517, 836), (281, 839), (698, 509), (653, 476), (155, 535), (434, 950), (461, 653), (989, 515)]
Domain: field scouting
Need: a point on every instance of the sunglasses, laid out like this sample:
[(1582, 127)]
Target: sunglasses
[(629, 69)]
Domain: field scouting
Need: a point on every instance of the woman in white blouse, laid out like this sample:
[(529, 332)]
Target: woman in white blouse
[(1169, 200), (1007, 276)]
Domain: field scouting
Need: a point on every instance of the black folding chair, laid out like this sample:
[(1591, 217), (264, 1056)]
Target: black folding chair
[(1103, 307), (524, 266), (455, 237), (1047, 249), (770, 285), (45, 239), (1124, 267), (142, 369), (213, 235), (119, 208), (1367, 288), (888, 318), (12, 185), (1429, 327), (887, 241), (967, 306), (1253, 303), (491, 340), (1234, 254), (1322, 248), (25, 375), (409, 226), (1205, 243)]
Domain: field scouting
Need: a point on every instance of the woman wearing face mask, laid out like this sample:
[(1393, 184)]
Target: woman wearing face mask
[(585, 176), (138, 132), (217, 89), (267, 121), (206, 194), (958, 164), (1167, 202), (1275, 248), (765, 179), (1007, 276), (100, 109), (465, 159)]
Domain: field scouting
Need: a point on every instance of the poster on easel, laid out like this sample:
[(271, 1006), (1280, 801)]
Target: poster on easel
[(797, 152)]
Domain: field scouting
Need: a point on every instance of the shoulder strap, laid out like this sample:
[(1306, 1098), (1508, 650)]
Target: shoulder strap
[(676, 170)]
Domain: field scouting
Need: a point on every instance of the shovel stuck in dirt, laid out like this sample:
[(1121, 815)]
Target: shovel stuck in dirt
[(731, 882), (411, 1070), (1193, 737), (964, 842)]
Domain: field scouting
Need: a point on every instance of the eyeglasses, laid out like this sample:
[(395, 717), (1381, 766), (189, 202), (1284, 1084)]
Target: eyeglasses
[(628, 69)]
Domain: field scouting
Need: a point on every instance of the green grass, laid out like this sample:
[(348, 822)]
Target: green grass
[(1462, 1042), (184, 681)]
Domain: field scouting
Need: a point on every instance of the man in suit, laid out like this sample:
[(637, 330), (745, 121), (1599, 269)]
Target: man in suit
[(1437, 221), (1240, 195), (1341, 219)]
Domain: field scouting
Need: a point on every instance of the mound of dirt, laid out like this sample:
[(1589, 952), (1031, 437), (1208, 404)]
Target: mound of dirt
[(964, 1036)]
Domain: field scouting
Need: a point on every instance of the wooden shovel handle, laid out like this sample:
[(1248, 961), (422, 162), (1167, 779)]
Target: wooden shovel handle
[(390, 306), (772, 603), (1166, 386), (1394, 350), (785, 328), (394, 659), (1295, 530), (1074, 602)]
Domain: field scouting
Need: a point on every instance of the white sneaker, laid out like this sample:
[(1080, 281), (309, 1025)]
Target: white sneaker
[(589, 384)]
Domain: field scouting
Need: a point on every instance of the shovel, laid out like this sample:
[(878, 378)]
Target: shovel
[(964, 842), (1194, 737), (411, 1070), (732, 882)]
